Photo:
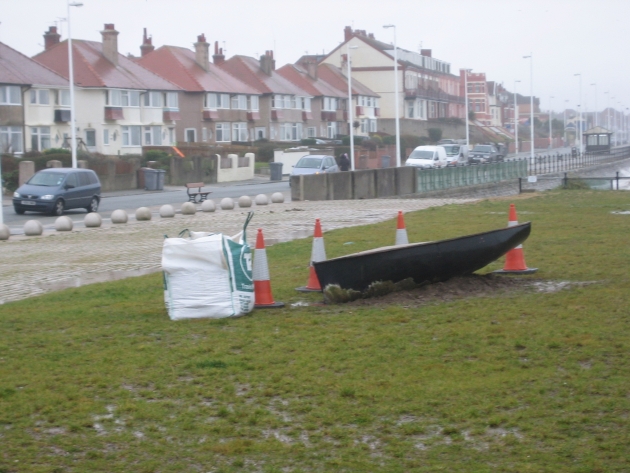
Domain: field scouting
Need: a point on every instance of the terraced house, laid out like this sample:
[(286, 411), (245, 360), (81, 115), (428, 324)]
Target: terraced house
[(120, 105), (34, 104), (215, 106), (427, 89), (285, 109), (328, 86)]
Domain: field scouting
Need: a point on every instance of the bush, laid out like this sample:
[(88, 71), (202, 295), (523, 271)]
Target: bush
[(265, 153), (308, 142), (377, 139), (435, 134), (389, 140), (56, 151)]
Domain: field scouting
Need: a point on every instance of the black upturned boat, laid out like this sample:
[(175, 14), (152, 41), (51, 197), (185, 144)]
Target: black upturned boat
[(423, 262)]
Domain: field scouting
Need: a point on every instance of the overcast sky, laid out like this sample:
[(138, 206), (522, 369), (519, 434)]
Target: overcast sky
[(566, 37)]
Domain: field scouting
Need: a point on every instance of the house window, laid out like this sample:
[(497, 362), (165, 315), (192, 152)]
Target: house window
[(306, 104), (40, 97), (204, 134), (190, 135), (372, 126), (411, 105), (114, 98), (153, 135), (130, 98), (239, 102), (260, 133), (253, 102), (105, 137), (222, 132), (239, 131), (331, 130), (172, 100), (364, 125), (296, 131), (223, 101), (131, 135), (210, 101), (310, 132), (40, 138), (10, 95), (90, 138), (153, 99), (11, 139), (63, 97)]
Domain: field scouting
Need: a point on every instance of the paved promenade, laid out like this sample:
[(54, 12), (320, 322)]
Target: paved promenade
[(57, 260)]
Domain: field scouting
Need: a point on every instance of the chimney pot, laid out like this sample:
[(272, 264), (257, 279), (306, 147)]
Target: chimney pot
[(51, 37)]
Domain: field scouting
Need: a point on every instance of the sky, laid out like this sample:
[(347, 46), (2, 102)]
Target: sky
[(564, 37)]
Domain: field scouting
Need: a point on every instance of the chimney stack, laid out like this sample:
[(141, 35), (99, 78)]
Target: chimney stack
[(311, 68), (110, 43), (347, 33), (267, 63), (51, 37), (218, 57), (202, 52), (425, 52), (147, 45)]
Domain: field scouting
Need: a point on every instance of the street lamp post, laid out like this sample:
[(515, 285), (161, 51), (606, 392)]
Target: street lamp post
[(350, 106), (531, 99), (515, 119), (596, 110), (73, 133), (396, 96), (566, 139), (466, 71), (580, 109), (550, 130)]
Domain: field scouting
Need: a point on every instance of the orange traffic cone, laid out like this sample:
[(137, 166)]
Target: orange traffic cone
[(401, 231), (260, 271), (514, 259), (318, 253)]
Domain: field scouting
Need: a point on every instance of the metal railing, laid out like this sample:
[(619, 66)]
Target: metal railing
[(557, 162)]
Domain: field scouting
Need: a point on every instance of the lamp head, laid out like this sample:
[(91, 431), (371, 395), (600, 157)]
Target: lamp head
[(389, 26), (75, 4)]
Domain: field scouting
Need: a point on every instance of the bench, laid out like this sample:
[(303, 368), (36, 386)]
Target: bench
[(192, 195)]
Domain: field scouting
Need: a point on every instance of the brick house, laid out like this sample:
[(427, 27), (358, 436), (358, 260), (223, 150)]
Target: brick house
[(215, 106)]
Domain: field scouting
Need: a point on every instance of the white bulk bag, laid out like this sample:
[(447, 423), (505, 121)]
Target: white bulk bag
[(208, 275)]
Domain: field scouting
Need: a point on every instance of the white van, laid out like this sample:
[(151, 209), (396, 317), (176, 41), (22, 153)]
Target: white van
[(427, 157), (456, 155)]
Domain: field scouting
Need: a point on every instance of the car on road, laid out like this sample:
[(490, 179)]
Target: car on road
[(427, 157), (456, 155), (315, 164), (485, 154), (55, 190)]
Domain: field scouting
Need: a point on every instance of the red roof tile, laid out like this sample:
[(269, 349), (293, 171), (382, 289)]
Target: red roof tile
[(16, 68), (247, 69), (334, 76), (178, 65), (92, 69), (315, 87)]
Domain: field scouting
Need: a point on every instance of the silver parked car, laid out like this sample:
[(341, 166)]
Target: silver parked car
[(315, 164)]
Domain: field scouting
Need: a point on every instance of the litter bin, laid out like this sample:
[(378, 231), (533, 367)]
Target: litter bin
[(275, 169), (160, 179), (385, 161), (141, 178), (151, 179)]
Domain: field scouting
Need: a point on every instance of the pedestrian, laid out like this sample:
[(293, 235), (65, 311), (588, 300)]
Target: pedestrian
[(344, 162)]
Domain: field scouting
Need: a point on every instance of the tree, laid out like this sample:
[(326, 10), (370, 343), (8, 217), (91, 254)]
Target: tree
[(472, 115)]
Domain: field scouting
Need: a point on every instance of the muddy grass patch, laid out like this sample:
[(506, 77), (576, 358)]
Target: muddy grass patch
[(408, 294)]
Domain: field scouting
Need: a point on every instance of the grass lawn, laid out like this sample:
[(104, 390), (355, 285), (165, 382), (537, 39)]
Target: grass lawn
[(98, 379)]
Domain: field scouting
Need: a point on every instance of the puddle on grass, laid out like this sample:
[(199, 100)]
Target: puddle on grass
[(618, 212), (91, 278), (300, 304), (555, 286)]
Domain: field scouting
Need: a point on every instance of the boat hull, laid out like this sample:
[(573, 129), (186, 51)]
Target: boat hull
[(423, 262)]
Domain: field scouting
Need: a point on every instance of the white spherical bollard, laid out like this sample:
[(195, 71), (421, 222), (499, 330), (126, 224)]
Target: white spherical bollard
[(244, 201), (277, 197), (119, 216), (33, 228), (143, 213), (92, 220), (167, 211), (261, 199), (5, 233), (63, 224), (227, 203), (188, 208), (208, 206)]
